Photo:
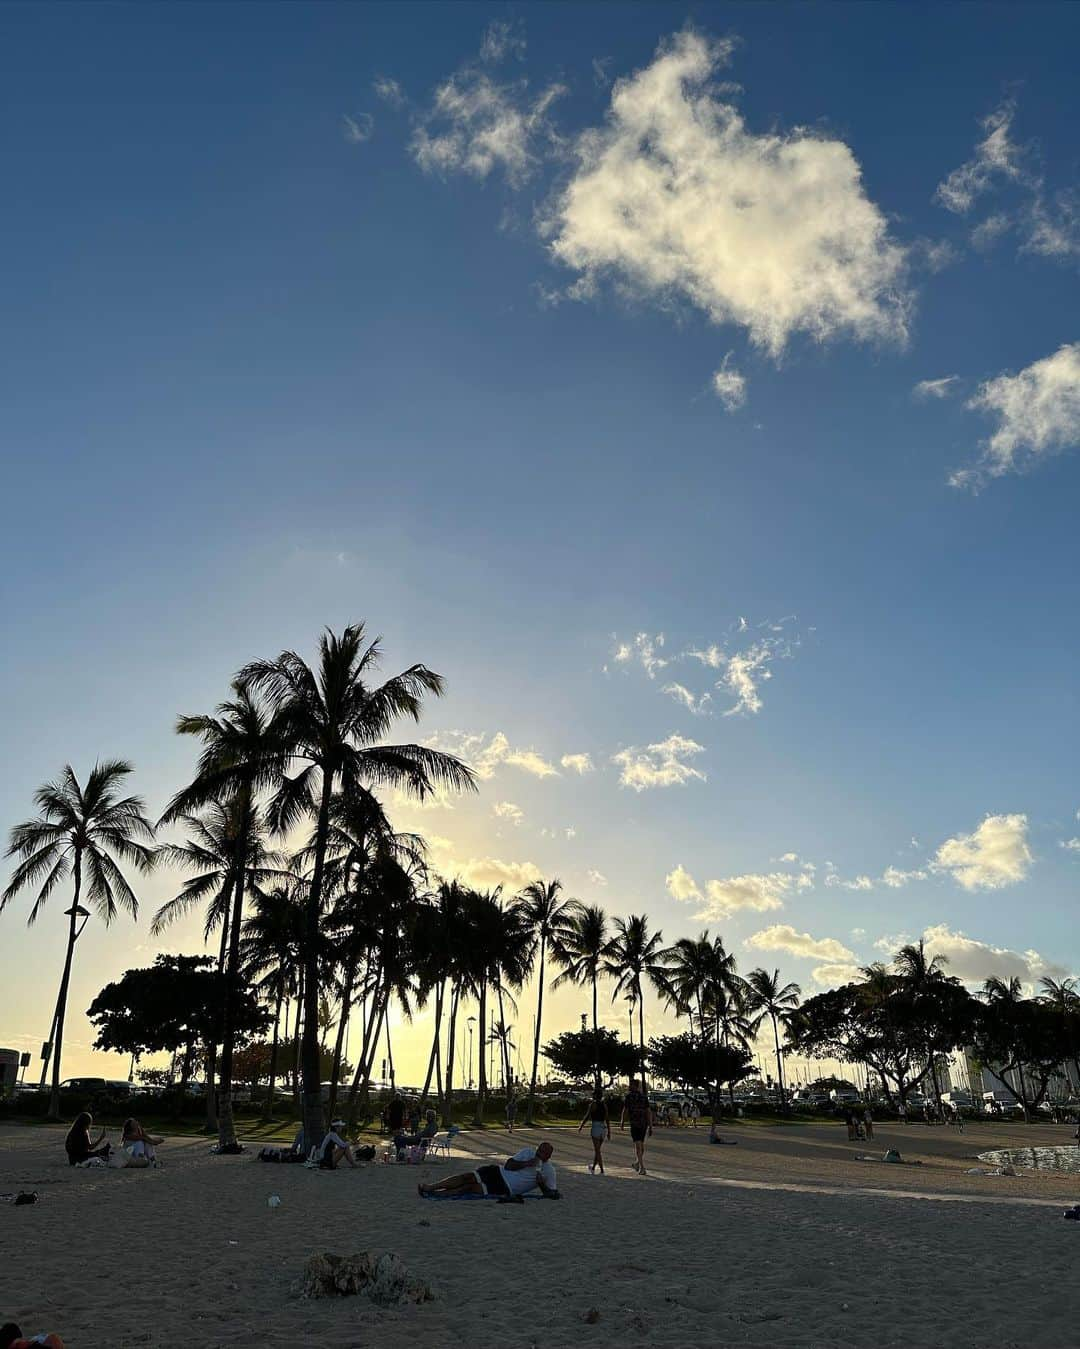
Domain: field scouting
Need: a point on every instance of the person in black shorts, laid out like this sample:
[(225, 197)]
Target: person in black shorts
[(636, 1108), (527, 1170)]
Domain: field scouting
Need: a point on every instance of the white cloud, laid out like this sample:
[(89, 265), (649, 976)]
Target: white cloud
[(485, 755), (674, 198), (502, 39), (660, 765), (389, 91), (722, 897), (1048, 223), (834, 975), (597, 877), (577, 763), (700, 706), (359, 128), (729, 385), (506, 810), (934, 388), (788, 857), (744, 671), (996, 854), (477, 125), (783, 937), (1038, 413), (996, 156), (973, 961), (895, 877), (645, 649), (1071, 844)]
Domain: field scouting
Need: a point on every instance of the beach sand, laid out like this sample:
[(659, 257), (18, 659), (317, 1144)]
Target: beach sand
[(708, 1250)]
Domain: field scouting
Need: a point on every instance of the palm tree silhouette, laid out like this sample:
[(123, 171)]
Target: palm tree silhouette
[(241, 756), (634, 955), (83, 833), (767, 996), (329, 722), (544, 914), (270, 955), (581, 948), (211, 853)]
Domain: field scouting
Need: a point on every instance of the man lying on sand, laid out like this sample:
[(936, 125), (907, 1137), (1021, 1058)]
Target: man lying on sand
[(529, 1169)]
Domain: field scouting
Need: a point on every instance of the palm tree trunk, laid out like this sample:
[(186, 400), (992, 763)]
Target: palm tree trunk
[(314, 1124), (481, 1077), (61, 1001), (343, 1021), (779, 1066), (268, 1113), (433, 1056), (211, 1124), (536, 1033), (389, 1048), (641, 1031), (296, 1040), (226, 1124), (448, 1107)]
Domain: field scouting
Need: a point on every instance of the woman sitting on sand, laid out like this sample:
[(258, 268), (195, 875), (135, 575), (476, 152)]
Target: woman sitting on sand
[(334, 1147), (78, 1144), (599, 1122), (138, 1142)]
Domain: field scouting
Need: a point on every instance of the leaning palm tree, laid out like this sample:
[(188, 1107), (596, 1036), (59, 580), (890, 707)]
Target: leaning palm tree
[(580, 950), (768, 997), (544, 914), (240, 757), (634, 955), (82, 833), (331, 721)]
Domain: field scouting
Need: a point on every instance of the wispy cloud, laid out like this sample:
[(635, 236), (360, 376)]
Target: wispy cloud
[(597, 877), (674, 197), (663, 764), (577, 763), (934, 388), (1038, 414), (486, 755), (700, 705), (645, 650), (359, 128), (390, 91), (996, 157), (729, 385), (506, 810), (478, 124)]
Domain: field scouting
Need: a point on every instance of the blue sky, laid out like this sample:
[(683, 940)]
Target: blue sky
[(416, 314)]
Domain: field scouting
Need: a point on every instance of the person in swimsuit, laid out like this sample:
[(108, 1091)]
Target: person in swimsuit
[(599, 1122), (636, 1107), (78, 1144)]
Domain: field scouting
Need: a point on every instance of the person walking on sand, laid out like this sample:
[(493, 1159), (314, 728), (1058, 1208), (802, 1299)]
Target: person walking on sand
[(636, 1108), (599, 1122)]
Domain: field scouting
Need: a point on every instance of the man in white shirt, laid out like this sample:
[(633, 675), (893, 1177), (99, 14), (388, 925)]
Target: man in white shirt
[(527, 1170)]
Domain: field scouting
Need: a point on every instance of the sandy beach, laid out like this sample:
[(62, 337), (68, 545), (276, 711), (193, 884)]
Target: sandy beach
[(783, 1240)]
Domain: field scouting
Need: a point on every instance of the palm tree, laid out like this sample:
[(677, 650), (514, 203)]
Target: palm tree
[(329, 721), (581, 947), (767, 996), (241, 755), (691, 968), (211, 853), (270, 955), (633, 955), (545, 915), (84, 833), (920, 975)]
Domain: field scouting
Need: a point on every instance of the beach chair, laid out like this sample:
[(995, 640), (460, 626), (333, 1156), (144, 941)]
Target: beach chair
[(441, 1142)]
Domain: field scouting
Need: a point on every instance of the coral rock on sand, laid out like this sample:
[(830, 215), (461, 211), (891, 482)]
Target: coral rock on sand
[(384, 1279)]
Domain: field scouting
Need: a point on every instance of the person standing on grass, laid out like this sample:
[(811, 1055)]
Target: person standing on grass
[(599, 1122), (636, 1108)]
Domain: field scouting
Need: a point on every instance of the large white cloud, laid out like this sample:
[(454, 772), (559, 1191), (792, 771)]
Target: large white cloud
[(783, 937), (483, 873), (973, 961), (663, 764), (675, 198), (721, 898), (1038, 413), (994, 855)]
